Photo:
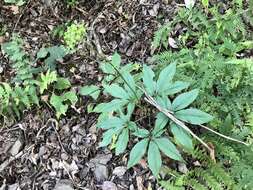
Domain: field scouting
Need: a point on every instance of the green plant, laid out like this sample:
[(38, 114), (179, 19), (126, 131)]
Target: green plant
[(74, 34), (71, 3), (16, 2), (220, 33), (208, 58), (116, 116), (25, 90), (209, 176), (21, 63)]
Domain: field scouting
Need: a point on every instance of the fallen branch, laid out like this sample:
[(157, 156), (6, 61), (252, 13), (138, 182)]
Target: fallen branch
[(170, 114), (224, 136)]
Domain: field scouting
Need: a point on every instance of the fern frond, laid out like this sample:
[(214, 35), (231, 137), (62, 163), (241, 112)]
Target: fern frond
[(161, 36), (195, 185), (21, 64)]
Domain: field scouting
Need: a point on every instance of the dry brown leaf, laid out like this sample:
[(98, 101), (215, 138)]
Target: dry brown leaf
[(1, 40), (14, 9)]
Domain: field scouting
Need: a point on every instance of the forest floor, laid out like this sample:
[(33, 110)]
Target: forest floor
[(65, 156), (41, 152)]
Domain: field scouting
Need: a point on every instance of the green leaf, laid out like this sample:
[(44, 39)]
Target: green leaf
[(71, 96), (132, 126), (130, 109), (130, 86), (62, 84), (176, 87), (181, 136), (42, 53), (56, 53), (122, 141), (184, 100), (148, 81), (110, 123), (193, 116), (142, 133), (164, 102), (116, 91), (91, 90), (160, 122), (154, 158), (107, 138), (137, 152), (116, 59), (168, 148), (57, 103), (110, 106), (165, 78), (46, 80), (205, 3)]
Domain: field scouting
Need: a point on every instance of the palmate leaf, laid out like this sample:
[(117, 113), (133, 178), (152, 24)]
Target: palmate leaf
[(165, 78), (181, 136), (193, 116), (154, 158), (148, 76), (137, 152), (168, 148), (184, 100), (62, 84), (57, 103), (71, 96), (122, 141)]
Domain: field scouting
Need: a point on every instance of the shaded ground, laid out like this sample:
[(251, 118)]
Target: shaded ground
[(40, 153)]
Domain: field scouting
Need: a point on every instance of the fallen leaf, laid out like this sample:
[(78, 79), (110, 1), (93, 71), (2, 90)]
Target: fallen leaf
[(172, 43), (13, 8), (1, 40), (189, 3)]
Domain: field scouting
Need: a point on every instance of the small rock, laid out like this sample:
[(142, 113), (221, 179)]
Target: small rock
[(119, 171), (16, 147), (182, 168), (2, 39), (14, 186), (101, 172), (108, 185), (64, 184), (172, 43), (1, 68)]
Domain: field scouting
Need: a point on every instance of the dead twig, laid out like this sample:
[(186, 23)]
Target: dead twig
[(12, 158), (170, 115), (224, 136)]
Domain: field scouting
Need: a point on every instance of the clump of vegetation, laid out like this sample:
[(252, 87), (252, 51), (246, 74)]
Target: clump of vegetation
[(209, 58), (30, 84), (134, 92), (71, 3), (73, 35)]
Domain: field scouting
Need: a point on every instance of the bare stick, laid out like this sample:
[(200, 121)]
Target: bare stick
[(224, 136), (150, 100)]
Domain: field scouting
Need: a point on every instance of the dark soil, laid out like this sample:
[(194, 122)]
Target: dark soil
[(39, 152)]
